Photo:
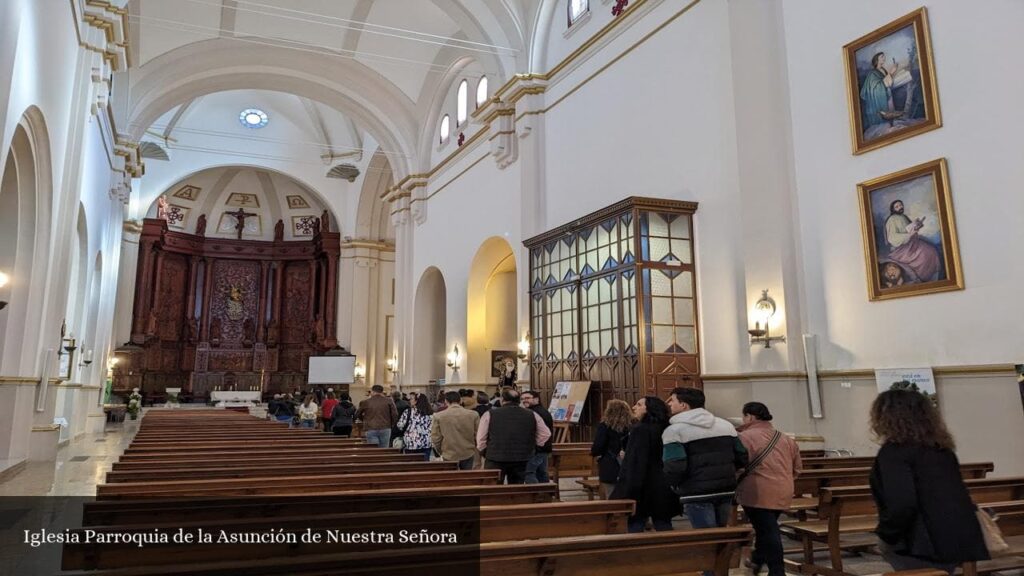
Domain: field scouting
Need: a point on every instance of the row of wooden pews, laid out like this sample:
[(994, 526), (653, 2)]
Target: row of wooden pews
[(215, 470)]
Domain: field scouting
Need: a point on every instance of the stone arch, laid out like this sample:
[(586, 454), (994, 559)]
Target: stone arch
[(23, 239), (75, 313), (429, 328), (491, 304), (373, 215)]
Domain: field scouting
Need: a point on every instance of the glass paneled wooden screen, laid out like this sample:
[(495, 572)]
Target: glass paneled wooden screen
[(613, 301)]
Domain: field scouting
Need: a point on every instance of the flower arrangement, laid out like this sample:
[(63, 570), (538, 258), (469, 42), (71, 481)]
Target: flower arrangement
[(134, 404)]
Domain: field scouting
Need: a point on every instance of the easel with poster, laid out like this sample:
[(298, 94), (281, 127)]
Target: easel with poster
[(567, 401)]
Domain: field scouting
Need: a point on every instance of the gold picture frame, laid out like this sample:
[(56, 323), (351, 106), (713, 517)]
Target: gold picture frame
[(896, 99), (909, 231)]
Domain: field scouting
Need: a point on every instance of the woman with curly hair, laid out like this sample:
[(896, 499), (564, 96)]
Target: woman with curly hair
[(926, 518), (642, 477), (609, 442)]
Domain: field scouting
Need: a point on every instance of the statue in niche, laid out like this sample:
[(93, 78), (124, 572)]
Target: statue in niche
[(316, 226), (279, 231), (318, 330), (272, 334), (235, 305), (201, 225), (161, 207), (509, 375), (215, 332), (193, 330), (248, 332), (325, 222)]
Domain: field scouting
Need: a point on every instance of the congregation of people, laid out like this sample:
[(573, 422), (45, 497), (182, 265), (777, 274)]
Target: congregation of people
[(676, 458)]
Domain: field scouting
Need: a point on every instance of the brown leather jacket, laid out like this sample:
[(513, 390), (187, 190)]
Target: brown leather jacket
[(377, 413)]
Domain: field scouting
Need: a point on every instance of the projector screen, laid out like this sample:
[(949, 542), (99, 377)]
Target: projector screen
[(332, 369)]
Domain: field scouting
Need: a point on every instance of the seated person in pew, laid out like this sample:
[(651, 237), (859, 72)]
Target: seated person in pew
[(765, 488), (509, 436), (926, 518), (703, 453), (343, 416), (610, 443), (641, 476), (453, 432)]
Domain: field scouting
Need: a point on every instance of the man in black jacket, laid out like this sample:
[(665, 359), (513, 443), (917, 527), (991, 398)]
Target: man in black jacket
[(537, 467), (508, 437), (401, 405), (702, 454)]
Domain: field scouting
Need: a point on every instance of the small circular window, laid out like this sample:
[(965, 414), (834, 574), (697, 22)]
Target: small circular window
[(253, 118)]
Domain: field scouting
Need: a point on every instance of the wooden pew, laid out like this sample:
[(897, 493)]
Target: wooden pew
[(845, 511), (296, 469), (146, 511), (812, 481), (649, 554), (245, 461), (218, 445), (254, 452), (493, 523), (571, 461), (292, 485)]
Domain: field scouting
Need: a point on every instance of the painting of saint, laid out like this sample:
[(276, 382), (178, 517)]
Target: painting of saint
[(910, 237), (892, 84), (235, 304)]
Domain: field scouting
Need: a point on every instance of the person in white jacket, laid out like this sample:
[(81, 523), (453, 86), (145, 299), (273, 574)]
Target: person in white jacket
[(308, 412)]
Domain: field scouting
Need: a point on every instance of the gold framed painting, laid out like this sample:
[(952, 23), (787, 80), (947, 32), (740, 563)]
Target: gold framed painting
[(910, 243), (891, 83)]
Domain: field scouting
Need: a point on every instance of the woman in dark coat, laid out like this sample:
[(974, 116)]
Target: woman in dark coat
[(641, 477), (609, 442), (926, 518)]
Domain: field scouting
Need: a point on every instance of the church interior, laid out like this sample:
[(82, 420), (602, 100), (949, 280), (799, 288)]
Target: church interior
[(209, 207)]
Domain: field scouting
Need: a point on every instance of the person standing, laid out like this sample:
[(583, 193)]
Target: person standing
[(378, 414), (508, 437), (482, 404), (702, 455), (401, 406), (641, 477), (415, 424), (766, 486), (281, 409), (328, 410), (537, 467), (610, 443), (926, 518), (343, 416), (453, 432), (308, 411)]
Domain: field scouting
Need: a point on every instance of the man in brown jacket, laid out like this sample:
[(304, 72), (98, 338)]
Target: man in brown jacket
[(453, 432), (378, 414)]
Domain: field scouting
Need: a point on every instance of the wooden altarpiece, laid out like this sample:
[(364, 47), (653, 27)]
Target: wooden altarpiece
[(613, 300), (216, 313)]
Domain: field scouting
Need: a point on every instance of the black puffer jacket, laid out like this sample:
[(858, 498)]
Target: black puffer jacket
[(702, 454)]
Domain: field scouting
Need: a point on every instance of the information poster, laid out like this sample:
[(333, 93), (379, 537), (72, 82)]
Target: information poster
[(918, 379), (568, 400)]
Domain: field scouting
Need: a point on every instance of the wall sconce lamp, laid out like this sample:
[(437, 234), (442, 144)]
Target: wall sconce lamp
[(524, 349), (392, 364), (111, 362), (454, 357), (4, 279), (86, 358), (68, 345), (359, 371), (764, 309)]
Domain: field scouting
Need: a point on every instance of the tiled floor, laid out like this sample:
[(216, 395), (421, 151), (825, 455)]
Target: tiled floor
[(80, 466)]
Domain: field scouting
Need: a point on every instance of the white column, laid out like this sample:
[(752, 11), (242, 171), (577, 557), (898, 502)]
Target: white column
[(126, 271), (404, 289)]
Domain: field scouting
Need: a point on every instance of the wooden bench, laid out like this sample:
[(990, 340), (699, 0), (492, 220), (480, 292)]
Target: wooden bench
[(571, 462), (244, 461), (647, 554), (488, 523), (296, 469), (146, 511), (292, 485), (252, 452), (845, 511), (810, 482)]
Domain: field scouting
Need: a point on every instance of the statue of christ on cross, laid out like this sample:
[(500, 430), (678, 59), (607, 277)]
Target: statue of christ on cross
[(240, 215)]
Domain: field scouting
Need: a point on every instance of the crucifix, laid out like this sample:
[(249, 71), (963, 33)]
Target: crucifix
[(240, 215)]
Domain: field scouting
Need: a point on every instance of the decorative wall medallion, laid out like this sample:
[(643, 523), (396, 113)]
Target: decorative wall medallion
[(176, 216), (190, 193), (228, 222), (243, 200), (303, 225), (296, 202)]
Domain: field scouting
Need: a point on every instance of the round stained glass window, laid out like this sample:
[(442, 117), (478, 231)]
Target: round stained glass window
[(253, 118)]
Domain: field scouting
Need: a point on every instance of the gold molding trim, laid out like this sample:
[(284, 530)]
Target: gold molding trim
[(371, 244)]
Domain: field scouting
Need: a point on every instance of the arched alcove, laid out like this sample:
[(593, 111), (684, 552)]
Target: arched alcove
[(490, 308), (429, 328), (76, 310)]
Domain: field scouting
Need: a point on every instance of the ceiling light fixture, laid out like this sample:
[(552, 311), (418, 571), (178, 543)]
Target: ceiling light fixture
[(253, 118)]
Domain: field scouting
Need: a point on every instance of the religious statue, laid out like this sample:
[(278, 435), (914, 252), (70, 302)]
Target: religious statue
[(215, 332), (325, 222), (508, 375), (201, 225), (272, 334), (235, 305), (279, 231), (240, 216), (248, 332), (161, 207), (193, 330), (316, 226)]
